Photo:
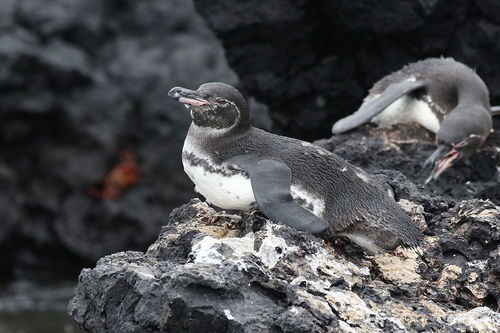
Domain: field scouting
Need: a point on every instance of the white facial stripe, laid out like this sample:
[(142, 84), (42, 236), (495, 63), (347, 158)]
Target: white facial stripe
[(209, 131)]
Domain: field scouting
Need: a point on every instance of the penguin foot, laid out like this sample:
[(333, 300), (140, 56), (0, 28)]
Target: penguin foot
[(253, 207)]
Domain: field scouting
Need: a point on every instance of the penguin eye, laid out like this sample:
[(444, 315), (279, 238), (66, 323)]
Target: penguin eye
[(221, 102)]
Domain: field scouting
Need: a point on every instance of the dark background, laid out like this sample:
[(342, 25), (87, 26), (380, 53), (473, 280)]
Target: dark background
[(81, 81)]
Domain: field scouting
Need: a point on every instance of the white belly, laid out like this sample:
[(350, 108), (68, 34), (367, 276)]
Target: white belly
[(235, 191), (228, 189), (231, 191), (406, 110)]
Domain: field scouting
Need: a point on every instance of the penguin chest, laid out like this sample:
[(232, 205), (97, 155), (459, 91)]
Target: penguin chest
[(407, 109), (221, 185)]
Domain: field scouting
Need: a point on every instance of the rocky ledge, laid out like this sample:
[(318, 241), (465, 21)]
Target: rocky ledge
[(214, 271), (221, 272)]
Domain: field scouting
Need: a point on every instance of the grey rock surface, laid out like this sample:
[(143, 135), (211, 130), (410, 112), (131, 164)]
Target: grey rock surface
[(385, 152), (217, 272)]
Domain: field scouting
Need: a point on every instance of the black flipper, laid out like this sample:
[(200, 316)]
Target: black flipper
[(369, 110), (271, 180)]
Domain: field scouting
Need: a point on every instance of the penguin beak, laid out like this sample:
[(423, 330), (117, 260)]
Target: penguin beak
[(441, 160), (188, 97)]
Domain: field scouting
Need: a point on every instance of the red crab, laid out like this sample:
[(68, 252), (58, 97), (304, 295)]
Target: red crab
[(120, 177)]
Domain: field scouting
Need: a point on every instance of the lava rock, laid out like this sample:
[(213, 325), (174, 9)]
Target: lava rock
[(312, 62), (219, 272), (395, 156)]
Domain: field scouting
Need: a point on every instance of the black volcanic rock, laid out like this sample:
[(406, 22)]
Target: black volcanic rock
[(312, 62), (80, 82), (215, 272), (388, 153)]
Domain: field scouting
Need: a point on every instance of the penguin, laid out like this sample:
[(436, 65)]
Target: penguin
[(445, 96), (237, 166)]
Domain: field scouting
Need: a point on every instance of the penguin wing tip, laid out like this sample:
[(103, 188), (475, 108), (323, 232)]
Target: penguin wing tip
[(336, 131), (339, 127)]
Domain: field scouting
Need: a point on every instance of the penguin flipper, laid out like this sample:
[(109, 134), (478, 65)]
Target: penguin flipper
[(369, 110), (271, 181)]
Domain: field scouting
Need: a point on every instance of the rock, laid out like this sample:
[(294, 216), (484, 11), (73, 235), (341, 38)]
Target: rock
[(220, 272), (316, 60), (81, 81), (480, 319), (395, 156)]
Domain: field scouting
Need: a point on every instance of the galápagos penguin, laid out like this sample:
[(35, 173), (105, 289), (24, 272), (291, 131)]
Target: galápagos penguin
[(444, 96), (234, 165)]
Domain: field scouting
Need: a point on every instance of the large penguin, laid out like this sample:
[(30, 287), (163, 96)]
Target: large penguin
[(234, 165)]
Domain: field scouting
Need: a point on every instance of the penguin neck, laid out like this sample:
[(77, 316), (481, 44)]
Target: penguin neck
[(215, 133), (472, 103), (472, 95), (208, 139)]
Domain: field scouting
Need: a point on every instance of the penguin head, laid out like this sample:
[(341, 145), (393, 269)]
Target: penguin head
[(447, 155), (460, 136), (215, 106)]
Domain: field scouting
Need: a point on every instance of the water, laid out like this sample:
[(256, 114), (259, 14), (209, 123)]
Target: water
[(28, 307)]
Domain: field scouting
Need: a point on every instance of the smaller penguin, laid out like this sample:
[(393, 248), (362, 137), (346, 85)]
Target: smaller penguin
[(235, 165), (444, 96)]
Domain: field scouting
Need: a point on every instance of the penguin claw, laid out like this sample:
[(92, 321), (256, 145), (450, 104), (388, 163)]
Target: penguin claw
[(253, 207)]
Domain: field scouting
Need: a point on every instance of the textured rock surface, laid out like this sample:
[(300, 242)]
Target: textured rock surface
[(212, 271), (81, 80), (312, 61), (404, 148)]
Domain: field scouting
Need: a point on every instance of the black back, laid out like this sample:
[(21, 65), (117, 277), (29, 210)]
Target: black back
[(349, 200)]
